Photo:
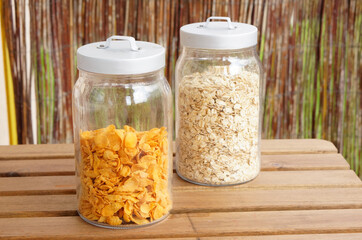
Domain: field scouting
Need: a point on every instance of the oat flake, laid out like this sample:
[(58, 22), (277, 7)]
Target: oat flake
[(218, 127)]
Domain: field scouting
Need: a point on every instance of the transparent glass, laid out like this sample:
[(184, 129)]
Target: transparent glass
[(219, 98), (123, 150)]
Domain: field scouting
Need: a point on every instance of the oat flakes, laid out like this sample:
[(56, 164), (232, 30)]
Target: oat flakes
[(218, 127)]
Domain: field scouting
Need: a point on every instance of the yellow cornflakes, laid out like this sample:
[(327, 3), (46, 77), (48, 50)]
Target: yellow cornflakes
[(130, 140), (124, 175)]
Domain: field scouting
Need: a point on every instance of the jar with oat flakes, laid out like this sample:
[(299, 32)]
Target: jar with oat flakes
[(219, 99), (122, 115)]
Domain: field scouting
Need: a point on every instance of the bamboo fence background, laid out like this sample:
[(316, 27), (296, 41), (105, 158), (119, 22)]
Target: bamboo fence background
[(311, 52)]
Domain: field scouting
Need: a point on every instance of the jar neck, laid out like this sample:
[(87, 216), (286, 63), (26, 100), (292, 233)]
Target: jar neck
[(198, 52), (126, 78)]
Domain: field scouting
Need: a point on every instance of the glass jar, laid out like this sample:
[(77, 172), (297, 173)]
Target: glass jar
[(122, 108), (219, 99)]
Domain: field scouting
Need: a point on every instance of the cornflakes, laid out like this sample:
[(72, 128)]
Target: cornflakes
[(124, 175)]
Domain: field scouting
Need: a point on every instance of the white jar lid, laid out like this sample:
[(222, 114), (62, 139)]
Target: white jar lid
[(121, 57), (218, 35)]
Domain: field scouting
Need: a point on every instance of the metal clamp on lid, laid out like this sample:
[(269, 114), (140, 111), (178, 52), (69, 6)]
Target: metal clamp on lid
[(230, 25), (221, 34), (131, 41)]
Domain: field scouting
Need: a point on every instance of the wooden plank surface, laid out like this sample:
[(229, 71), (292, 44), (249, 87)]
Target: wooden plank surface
[(331, 236), (282, 222), (194, 225), (48, 167), (38, 206), (37, 151), (268, 146), (200, 201), (76, 228), (297, 146), (298, 162), (43, 167), (284, 180), (305, 191), (267, 200), (37, 185), (265, 180)]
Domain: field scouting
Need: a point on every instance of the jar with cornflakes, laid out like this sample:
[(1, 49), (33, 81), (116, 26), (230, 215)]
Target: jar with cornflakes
[(219, 98), (122, 115)]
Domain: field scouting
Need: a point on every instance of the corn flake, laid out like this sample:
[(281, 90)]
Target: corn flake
[(124, 175)]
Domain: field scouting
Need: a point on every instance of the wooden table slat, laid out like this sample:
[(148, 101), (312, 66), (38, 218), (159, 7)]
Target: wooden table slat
[(284, 180), (305, 191), (296, 146), (266, 180), (297, 162), (282, 222), (43, 167), (268, 146), (37, 151), (331, 236), (200, 201), (49, 167), (194, 225)]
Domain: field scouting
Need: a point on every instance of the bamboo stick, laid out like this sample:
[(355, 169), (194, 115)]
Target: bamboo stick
[(310, 51)]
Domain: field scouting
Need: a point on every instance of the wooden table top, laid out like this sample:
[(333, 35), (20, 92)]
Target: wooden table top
[(304, 191)]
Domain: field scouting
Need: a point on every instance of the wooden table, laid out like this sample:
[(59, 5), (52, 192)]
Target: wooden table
[(305, 191)]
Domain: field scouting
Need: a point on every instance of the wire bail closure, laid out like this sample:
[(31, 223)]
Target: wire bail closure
[(230, 24), (131, 40)]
